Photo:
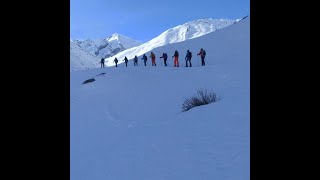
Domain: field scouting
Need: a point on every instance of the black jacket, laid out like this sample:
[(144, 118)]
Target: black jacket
[(144, 57), (189, 55), (164, 56)]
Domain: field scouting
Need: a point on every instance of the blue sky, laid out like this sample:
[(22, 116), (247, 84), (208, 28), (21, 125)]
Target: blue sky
[(145, 19)]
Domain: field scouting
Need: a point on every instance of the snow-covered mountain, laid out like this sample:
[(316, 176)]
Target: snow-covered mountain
[(79, 59), (103, 48), (86, 54), (176, 34), (128, 123)]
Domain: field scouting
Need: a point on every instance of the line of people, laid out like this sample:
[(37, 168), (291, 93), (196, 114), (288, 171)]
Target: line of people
[(188, 58)]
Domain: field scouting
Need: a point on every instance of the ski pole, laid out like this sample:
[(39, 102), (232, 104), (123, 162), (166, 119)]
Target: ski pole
[(172, 60)]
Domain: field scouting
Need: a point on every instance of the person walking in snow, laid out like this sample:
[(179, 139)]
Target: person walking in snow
[(116, 61), (176, 58), (188, 58), (153, 58), (135, 61), (144, 58), (165, 57), (102, 62), (202, 54), (126, 61)]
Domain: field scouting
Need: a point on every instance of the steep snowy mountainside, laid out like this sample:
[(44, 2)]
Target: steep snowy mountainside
[(187, 31)]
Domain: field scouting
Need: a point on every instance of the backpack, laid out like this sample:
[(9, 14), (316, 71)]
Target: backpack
[(204, 52), (190, 55)]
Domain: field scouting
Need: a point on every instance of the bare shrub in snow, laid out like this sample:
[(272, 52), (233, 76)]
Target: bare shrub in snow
[(202, 97)]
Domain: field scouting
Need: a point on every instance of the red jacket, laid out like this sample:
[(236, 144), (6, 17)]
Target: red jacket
[(201, 53)]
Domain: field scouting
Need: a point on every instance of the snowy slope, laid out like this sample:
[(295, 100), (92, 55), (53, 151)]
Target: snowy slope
[(110, 46), (179, 33), (128, 124), (79, 59)]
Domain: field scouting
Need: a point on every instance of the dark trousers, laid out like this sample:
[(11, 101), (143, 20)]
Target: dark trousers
[(116, 64), (165, 62), (126, 64), (145, 63), (189, 62), (102, 64), (135, 63), (202, 61)]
